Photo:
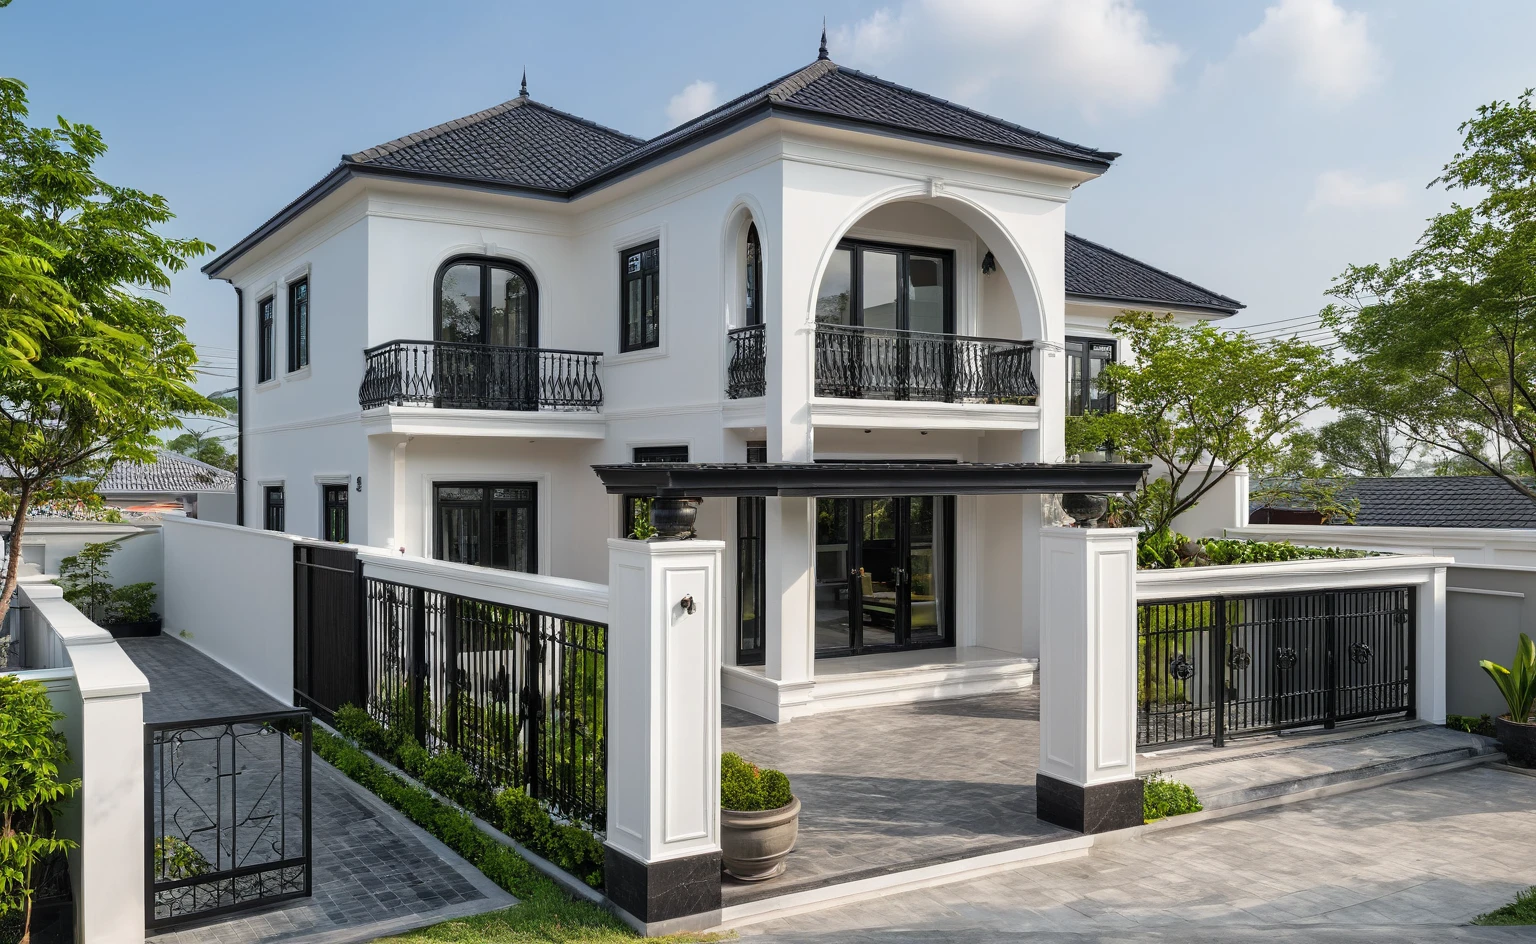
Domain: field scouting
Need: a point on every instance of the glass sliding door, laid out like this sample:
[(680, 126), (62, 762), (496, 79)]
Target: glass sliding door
[(489, 524), (884, 574)]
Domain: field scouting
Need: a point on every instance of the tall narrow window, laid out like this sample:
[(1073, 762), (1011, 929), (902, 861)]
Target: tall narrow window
[(275, 508), (1086, 358), (266, 339), (489, 524), (753, 313), (333, 525), (630, 506), (640, 297), (298, 325), (751, 565)]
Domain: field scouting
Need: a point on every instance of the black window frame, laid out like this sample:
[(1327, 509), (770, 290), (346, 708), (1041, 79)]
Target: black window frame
[(298, 325), (329, 504), (266, 339), (486, 264), (752, 301), (1081, 402), (904, 252), (751, 548), (628, 503), (487, 502), (274, 503), (625, 278)]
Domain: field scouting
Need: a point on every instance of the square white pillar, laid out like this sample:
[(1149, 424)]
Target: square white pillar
[(1087, 779), (1429, 684), (663, 847)]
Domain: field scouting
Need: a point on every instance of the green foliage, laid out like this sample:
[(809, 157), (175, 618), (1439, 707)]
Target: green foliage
[(1518, 682), (449, 774), (1482, 725), (641, 528), (1157, 549), (1444, 339), (747, 788), (1162, 797), (1090, 432), (176, 858), (1520, 911), (1362, 444), (32, 755), (203, 447), (1167, 548), (132, 603), (1201, 401), (570, 847), (92, 364)]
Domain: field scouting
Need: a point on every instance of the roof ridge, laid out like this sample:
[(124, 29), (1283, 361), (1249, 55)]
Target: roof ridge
[(795, 81), (171, 453), (587, 121), (1080, 148), (1164, 272)]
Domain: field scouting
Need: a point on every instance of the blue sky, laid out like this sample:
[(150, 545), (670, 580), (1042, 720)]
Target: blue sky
[(1266, 144)]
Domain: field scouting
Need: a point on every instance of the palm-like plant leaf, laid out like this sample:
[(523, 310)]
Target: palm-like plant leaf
[(1518, 683)]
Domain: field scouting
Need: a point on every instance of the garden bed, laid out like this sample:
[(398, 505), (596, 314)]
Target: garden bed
[(1166, 550)]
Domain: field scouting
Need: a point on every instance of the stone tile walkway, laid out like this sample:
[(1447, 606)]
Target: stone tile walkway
[(1412, 861), (889, 789), (375, 873)]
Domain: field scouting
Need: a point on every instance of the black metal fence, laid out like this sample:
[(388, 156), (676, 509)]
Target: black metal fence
[(746, 371), (888, 364), (13, 637), (328, 669), (1215, 667), (227, 815), (480, 376), (519, 694)]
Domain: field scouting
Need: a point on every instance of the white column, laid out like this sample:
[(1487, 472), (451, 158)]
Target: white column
[(382, 486), (663, 856), (1087, 779), (1430, 660)]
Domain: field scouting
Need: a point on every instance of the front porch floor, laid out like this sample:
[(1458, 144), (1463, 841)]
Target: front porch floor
[(895, 788)]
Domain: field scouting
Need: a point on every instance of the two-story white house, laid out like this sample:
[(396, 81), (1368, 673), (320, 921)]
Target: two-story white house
[(442, 336)]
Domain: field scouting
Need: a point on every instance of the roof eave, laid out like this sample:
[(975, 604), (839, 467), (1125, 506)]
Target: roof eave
[(1158, 303)]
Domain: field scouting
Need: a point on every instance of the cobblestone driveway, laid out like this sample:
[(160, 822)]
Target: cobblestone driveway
[(1406, 862)]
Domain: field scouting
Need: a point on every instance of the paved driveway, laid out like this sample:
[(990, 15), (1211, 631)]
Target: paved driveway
[(1407, 862)]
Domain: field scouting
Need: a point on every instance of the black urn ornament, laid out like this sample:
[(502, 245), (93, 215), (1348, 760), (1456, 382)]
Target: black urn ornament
[(1085, 508), (673, 518)]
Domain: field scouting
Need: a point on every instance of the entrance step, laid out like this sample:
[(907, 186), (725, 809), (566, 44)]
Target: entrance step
[(1264, 768), (900, 678)]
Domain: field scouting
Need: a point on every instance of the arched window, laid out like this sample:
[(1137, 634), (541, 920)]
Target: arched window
[(753, 311), (486, 301)]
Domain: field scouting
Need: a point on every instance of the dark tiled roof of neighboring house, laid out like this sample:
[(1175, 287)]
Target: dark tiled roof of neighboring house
[(1099, 273), (171, 473), (1439, 501)]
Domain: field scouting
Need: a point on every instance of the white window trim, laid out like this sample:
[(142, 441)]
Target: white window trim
[(658, 235)]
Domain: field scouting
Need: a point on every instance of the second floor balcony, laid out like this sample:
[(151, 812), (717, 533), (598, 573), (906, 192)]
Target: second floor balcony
[(451, 375), (864, 363)]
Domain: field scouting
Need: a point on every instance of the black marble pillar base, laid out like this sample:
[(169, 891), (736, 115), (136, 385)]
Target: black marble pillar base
[(660, 896), (1097, 808)]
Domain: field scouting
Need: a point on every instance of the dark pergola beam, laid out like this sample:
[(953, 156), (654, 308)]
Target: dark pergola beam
[(865, 479)]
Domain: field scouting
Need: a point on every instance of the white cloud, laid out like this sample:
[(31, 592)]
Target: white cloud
[(1098, 55), (1317, 45), (694, 100), (1342, 189)]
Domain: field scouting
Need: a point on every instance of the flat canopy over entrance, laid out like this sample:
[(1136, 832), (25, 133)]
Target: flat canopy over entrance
[(864, 479)]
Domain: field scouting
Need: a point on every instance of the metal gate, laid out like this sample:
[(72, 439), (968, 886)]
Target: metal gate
[(1210, 668), (226, 815), (329, 666)]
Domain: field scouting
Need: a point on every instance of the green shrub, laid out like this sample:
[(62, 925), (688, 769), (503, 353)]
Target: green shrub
[(1520, 911), (32, 754), (449, 774), (570, 847), (132, 603), (746, 788), (1482, 725), (175, 858), (1162, 797)]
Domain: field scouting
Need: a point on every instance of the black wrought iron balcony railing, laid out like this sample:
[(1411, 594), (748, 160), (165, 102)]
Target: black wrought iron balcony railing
[(891, 364), (480, 377), (746, 371)]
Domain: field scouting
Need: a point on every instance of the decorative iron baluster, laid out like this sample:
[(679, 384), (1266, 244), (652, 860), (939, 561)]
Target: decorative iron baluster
[(746, 372), (480, 376), (890, 364)]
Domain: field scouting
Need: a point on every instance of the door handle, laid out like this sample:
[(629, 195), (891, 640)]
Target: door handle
[(856, 572)]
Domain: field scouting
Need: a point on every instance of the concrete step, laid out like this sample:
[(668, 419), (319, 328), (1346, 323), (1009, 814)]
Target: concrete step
[(905, 684)]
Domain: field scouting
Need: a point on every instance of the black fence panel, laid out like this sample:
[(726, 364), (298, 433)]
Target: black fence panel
[(328, 669), (519, 694), (227, 815), (1214, 667)]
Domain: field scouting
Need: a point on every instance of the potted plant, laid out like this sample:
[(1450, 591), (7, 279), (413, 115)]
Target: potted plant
[(122, 611), (1517, 735), (759, 819)]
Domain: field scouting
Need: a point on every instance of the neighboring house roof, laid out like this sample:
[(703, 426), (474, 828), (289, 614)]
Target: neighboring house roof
[(1439, 501), (1098, 273), (526, 147), (171, 473)]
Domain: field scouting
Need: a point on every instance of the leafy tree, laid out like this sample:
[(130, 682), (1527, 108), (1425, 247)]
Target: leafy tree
[(1364, 444), (91, 363), (32, 756), (204, 447), (1295, 478), (1445, 337), (1198, 402)]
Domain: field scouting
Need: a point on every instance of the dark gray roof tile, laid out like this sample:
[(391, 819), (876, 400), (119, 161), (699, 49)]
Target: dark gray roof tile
[(1102, 274), (1440, 501), (171, 472)]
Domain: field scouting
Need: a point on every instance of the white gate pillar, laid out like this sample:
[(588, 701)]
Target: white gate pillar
[(1087, 777), (662, 862)]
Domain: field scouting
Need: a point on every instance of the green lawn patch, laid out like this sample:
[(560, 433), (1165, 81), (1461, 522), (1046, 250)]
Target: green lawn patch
[(535, 921), (1520, 911), (1162, 797)]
